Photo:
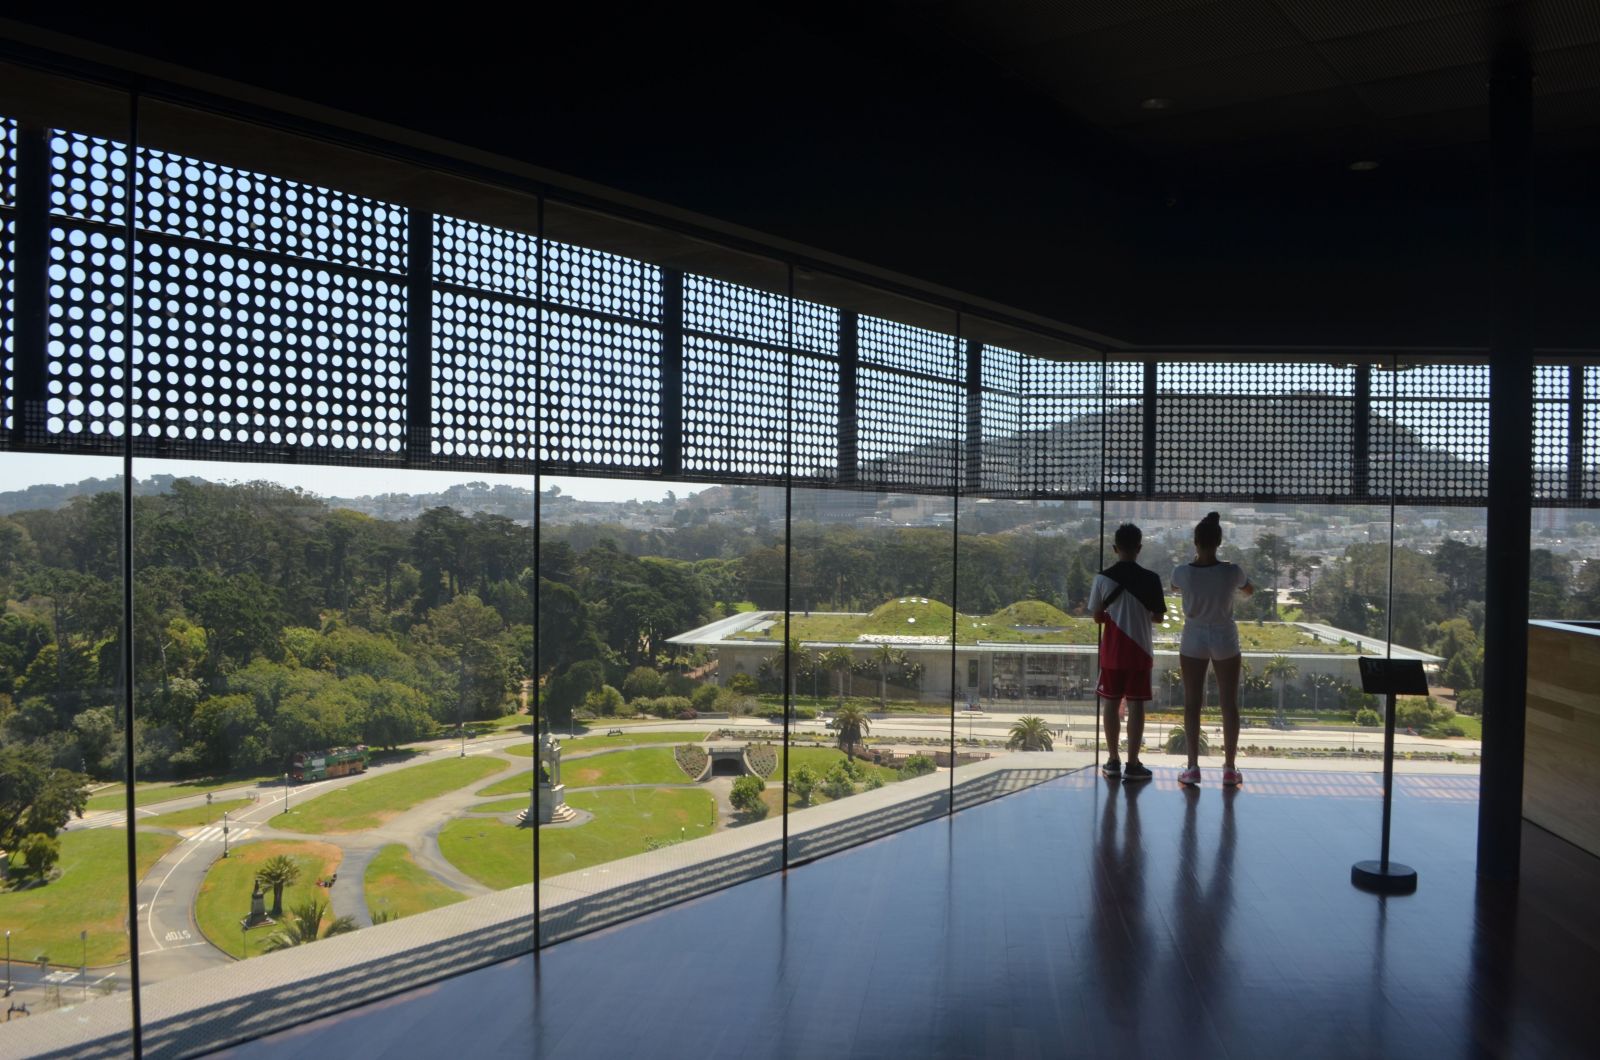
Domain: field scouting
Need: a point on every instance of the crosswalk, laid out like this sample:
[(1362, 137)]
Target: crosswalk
[(214, 834)]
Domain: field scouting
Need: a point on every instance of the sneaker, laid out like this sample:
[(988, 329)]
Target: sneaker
[(1112, 767), (1232, 778), (1134, 772), (1191, 777)]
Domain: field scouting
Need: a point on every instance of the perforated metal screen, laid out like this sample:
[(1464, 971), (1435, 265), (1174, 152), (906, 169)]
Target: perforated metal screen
[(277, 320), (911, 407), (1065, 424), (1429, 440), (760, 383), (1269, 430)]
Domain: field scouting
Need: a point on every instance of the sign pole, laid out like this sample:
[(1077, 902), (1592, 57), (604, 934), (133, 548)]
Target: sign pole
[(1388, 677)]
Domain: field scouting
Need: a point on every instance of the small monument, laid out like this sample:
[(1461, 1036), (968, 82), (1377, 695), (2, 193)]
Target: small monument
[(548, 800), (258, 906)]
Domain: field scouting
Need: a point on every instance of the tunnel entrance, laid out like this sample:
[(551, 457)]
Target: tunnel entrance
[(727, 760)]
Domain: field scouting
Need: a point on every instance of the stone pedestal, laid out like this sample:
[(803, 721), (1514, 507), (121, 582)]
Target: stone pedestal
[(551, 805)]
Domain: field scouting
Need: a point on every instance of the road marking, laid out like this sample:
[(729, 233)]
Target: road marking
[(150, 919)]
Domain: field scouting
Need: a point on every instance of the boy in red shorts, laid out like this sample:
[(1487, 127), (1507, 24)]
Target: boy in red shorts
[(1126, 600)]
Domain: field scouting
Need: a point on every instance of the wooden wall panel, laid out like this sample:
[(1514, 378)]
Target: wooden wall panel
[(1561, 784)]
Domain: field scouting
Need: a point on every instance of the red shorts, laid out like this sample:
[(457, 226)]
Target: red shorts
[(1124, 684)]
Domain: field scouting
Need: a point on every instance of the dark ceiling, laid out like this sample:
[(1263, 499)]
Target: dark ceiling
[(999, 147)]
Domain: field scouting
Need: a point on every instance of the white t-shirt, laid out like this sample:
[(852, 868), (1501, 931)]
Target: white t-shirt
[(1208, 591)]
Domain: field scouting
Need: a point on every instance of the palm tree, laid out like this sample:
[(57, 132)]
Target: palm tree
[(852, 723), (883, 655), (1282, 671), (305, 925), (800, 658), (839, 660), (1030, 733), (278, 872), (1172, 681), (1321, 683)]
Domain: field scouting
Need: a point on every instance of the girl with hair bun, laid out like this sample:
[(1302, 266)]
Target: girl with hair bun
[(1210, 638)]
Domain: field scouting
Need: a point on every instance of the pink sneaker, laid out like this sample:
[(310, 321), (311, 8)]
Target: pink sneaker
[(1191, 777), (1232, 778)]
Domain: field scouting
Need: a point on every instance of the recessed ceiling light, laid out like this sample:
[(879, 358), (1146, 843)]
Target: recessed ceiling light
[(1362, 165), (1155, 103)]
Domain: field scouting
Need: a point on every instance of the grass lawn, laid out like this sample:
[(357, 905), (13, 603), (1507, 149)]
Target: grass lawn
[(500, 856), (368, 803), (648, 765), (148, 794), (196, 816), (225, 895), (517, 782), (91, 894), (501, 805), (394, 883), (599, 742)]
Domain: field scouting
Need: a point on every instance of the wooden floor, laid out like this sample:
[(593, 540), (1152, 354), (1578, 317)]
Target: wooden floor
[(1080, 918)]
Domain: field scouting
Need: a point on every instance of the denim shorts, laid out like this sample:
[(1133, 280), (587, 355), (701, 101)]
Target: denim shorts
[(1210, 640)]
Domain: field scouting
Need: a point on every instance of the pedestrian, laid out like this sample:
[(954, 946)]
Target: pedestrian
[(1126, 600), (1210, 638)]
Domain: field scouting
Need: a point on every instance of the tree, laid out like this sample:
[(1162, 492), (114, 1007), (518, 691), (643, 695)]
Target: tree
[(851, 723), (1172, 683), (1320, 683), (839, 659), (466, 636), (305, 925), (642, 682), (883, 655), (803, 782), (746, 796), (38, 854), (1281, 671), (1270, 557), (1030, 733), (279, 872), (1077, 584), (35, 796)]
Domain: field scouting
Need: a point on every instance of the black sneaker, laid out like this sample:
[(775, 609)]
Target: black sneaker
[(1135, 771), (1112, 767)]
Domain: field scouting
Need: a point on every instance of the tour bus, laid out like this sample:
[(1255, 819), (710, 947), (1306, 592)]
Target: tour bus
[(321, 765)]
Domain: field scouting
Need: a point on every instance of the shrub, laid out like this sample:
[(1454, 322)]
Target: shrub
[(743, 684), (1470, 701), (642, 683), (607, 701), (803, 782), (1177, 743), (874, 781), (917, 766), (40, 853), (746, 797), (686, 714), (1369, 717), (666, 707), (838, 782), (704, 698)]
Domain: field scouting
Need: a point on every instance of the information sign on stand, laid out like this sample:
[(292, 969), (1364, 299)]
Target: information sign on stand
[(1388, 678)]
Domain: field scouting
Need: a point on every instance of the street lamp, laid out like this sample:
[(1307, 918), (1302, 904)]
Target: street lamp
[(286, 793), (224, 833), (8, 962), (83, 964)]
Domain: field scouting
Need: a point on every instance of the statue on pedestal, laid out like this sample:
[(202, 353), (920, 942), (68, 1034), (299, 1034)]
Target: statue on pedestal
[(548, 801), (258, 905)]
